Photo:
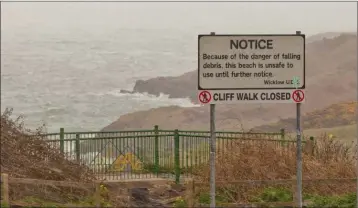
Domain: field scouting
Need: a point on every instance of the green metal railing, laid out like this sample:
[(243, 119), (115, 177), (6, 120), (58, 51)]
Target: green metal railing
[(149, 153)]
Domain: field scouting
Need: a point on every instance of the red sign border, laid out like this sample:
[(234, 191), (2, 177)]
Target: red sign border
[(294, 92), (204, 92)]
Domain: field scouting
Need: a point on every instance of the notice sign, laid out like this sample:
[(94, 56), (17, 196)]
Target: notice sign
[(248, 62), (250, 96)]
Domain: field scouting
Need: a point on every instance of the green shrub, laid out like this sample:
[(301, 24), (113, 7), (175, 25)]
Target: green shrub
[(180, 203), (4, 205), (204, 198), (272, 194), (151, 168), (346, 201)]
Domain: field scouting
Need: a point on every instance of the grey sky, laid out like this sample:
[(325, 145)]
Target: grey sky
[(310, 18)]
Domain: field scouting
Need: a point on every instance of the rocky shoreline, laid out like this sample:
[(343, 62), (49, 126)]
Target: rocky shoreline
[(183, 86)]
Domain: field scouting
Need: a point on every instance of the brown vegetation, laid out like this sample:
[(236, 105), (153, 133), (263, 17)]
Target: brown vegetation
[(334, 115), (265, 160), (39, 174), (25, 154)]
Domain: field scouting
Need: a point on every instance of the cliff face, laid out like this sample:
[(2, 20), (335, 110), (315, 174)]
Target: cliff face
[(175, 87), (331, 78)]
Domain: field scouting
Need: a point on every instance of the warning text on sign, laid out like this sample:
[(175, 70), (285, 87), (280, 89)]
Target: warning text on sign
[(251, 62), (251, 96)]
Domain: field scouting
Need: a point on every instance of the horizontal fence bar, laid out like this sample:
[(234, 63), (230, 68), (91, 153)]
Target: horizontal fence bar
[(30, 181), (152, 131), (116, 137), (163, 135), (237, 138), (104, 132), (233, 132), (12, 180)]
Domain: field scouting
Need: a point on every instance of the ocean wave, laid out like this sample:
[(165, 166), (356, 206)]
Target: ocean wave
[(163, 98), (51, 111)]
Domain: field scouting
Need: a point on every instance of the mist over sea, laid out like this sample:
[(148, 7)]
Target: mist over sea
[(63, 64)]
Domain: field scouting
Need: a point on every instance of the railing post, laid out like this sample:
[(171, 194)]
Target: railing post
[(156, 149), (282, 134), (78, 149), (5, 189), (176, 156), (62, 140)]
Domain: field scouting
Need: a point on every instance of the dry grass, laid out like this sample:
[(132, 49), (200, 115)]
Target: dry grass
[(25, 154), (265, 160), (340, 114), (347, 133)]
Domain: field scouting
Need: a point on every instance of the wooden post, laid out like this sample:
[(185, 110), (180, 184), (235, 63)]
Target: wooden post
[(309, 147), (294, 192), (5, 189), (190, 193), (97, 195)]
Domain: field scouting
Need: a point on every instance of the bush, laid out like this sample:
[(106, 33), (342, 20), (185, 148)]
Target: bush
[(347, 201), (272, 194), (180, 203)]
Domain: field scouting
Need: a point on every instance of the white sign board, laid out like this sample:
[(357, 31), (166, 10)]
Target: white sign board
[(251, 96), (251, 62)]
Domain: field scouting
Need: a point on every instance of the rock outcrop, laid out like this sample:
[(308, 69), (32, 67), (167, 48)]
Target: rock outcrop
[(183, 86)]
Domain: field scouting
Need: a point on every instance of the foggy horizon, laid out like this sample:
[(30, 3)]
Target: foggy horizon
[(256, 17)]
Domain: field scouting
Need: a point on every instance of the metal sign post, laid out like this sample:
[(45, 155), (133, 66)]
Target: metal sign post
[(299, 150), (212, 155), (251, 68), (357, 143), (212, 152)]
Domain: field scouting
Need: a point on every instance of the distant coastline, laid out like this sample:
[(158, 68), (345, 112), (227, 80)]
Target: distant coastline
[(320, 49)]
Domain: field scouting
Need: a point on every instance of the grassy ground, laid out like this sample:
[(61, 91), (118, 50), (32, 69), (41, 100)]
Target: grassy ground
[(271, 194)]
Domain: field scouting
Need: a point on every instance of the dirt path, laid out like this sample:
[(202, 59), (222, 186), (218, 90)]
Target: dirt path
[(145, 190)]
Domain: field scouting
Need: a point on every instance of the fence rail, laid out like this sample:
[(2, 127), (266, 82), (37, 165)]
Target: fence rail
[(150, 153)]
